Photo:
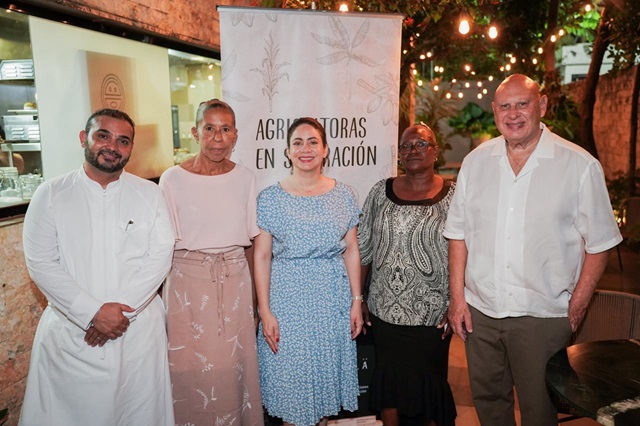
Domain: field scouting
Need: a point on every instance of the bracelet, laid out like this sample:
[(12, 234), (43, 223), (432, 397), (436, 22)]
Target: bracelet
[(360, 298)]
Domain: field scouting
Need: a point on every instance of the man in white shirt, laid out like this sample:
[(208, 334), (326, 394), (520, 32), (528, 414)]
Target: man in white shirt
[(530, 228), (98, 242)]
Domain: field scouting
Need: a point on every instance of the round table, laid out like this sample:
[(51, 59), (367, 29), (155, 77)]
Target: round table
[(600, 380)]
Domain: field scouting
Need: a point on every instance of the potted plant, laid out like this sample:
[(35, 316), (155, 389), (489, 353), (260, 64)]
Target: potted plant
[(475, 123), (432, 107)]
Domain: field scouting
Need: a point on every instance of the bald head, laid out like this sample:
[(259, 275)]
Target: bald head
[(518, 82)]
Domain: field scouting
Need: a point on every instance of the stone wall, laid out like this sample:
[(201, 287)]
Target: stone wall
[(612, 119), (21, 305), (195, 21)]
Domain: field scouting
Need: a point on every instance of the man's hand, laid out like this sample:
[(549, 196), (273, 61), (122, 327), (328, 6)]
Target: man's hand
[(94, 338), (111, 321), (460, 318)]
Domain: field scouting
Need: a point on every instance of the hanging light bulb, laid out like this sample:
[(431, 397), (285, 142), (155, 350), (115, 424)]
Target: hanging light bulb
[(493, 32), (436, 88), (460, 95), (479, 95), (534, 61), (448, 96), (343, 7), (540, 50), (553, 38), (467, 67), (587, 8), (464, 26), (422, 57), (420, 83), (467, 85)]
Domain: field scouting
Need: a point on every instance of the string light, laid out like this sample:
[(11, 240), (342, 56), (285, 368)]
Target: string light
[(553, 38), (587, 8), (448, 95), (420, 83), (415, 72), (479, 95), (464, 26), (460, 95), (535, 61), (422, 57), (508, 67), (512, 60), (540, 50), (436, 88), (343, 7), (479, 84), (467, 68), (490, 78), (493, 32), (561, 32), (467, 85), (429, 54)]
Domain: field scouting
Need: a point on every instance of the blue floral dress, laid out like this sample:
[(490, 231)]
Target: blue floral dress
[(314, 372)]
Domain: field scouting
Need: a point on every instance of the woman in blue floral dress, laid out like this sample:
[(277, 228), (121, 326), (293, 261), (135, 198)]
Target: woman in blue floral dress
[(307, 276)]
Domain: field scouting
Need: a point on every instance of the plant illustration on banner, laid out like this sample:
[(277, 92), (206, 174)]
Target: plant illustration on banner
[(385, 97), (270, 70)]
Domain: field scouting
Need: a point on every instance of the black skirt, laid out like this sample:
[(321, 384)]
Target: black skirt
[(411, 373)]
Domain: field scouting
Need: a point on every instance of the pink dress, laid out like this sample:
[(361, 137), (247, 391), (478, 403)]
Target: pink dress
[(212, 338)]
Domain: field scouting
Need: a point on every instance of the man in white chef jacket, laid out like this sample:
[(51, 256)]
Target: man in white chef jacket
[(98, 242)]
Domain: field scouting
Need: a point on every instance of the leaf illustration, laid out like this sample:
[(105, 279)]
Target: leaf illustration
[(364, 60), (339, 30), (272, 17), (342, 42), (228, 94), (361, 34), (334, 58), (374, 104), (336, 44)]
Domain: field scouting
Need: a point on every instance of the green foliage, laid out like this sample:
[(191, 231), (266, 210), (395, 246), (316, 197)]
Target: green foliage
[(472, 121), (431, 108), (625, 27), (562, 117)]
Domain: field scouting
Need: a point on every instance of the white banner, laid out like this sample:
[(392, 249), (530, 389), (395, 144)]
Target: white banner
[(340, 68)]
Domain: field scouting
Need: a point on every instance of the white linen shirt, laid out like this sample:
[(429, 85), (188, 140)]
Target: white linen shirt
[(526, 235)]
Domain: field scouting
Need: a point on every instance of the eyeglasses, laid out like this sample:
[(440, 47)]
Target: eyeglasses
[(419, 145)]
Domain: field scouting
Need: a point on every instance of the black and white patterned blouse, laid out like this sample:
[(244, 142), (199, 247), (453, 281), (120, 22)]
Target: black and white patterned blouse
[(403, 242)]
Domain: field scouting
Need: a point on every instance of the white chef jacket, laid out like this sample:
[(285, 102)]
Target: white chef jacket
[(526, 235), (85, 246)]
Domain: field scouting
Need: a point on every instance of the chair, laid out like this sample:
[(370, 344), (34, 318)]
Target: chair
[(632, 219), (611, 315)]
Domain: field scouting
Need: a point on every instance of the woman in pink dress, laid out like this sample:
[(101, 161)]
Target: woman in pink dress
[(209, 293)]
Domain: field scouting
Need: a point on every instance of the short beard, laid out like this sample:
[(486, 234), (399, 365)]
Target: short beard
[(93, 160)]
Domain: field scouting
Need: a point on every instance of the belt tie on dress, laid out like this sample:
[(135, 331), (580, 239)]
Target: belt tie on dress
[(219, 269)]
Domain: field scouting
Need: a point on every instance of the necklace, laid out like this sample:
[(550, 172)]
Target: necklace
[(517, 165)]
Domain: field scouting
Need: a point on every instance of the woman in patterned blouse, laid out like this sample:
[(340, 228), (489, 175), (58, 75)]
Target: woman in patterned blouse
[(403, 250)]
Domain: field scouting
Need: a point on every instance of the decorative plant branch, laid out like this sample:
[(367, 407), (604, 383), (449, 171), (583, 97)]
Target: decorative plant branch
[(343, 43), (385, 97), (228, 68), (270, 70)]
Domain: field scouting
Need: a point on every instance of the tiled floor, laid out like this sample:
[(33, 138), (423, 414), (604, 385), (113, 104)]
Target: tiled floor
[(627, 279)]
